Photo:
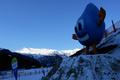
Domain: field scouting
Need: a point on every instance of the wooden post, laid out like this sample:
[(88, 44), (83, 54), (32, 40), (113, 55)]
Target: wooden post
[(114, 29)]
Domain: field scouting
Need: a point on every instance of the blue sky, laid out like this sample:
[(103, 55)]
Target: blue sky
[(46, 23)]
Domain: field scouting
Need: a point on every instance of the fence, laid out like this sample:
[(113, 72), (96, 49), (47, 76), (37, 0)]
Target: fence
[(8, 74)]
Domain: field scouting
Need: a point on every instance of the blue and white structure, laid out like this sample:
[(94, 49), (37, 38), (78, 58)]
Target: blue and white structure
[(14, 64), (87, 29)]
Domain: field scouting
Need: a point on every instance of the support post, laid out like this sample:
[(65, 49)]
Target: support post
[(113, 25)]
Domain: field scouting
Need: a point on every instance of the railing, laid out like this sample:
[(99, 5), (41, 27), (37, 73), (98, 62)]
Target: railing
[(114, 29)]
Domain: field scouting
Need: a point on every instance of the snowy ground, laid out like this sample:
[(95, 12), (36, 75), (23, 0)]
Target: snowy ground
[(31, 74)]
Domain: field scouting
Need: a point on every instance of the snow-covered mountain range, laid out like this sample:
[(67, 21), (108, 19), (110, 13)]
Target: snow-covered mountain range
[(37, 51)]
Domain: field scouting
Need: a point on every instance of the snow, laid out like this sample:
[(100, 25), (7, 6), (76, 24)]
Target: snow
[(31, 74), (46, 51), (88, 67), (36, 51)]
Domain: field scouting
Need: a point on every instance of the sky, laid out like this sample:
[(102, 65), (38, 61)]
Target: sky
[(46, 23)]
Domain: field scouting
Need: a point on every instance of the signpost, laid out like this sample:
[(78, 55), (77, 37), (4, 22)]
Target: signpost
[(14, 64)]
